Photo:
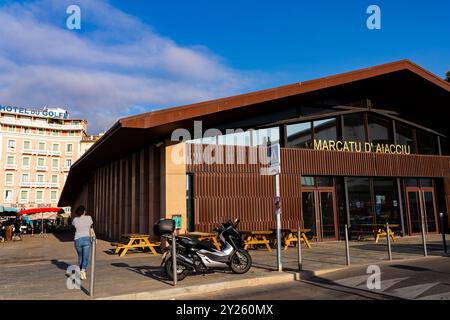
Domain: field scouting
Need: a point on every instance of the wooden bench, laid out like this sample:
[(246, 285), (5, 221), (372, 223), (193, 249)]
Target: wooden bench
[(206, 236), (254, 238), (290, 237), (135, 241), (374, 229)]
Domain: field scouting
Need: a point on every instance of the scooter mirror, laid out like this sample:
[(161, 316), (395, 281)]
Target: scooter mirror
[(236, 222)]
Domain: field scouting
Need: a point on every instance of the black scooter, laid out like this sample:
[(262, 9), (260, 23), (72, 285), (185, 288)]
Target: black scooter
[(199, 256)]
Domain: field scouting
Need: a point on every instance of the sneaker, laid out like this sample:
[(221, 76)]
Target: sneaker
[(83, 275)]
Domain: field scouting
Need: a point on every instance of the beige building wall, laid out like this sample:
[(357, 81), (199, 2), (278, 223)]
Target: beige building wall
[(35, 158), (175, 183)]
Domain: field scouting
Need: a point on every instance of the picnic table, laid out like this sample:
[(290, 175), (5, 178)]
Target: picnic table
[(377, 229), (253, 238), (290, 236), (206, 236), (134, 240)]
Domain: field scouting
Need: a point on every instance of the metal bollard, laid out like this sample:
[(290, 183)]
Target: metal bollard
[(174, 260), (347, 251), (444, 241), (299, 243), (388, 238), (92, 274), (424, 241)]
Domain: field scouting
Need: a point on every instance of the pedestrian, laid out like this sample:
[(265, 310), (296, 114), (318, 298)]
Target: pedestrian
[(83, 233), (17, 226)]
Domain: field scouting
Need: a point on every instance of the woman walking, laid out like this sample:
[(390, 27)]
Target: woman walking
[(83, 231)]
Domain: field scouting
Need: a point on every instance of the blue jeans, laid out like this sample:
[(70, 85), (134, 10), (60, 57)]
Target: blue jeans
[(83, 247)]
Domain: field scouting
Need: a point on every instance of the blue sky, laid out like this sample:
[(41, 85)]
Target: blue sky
[(133, 56)]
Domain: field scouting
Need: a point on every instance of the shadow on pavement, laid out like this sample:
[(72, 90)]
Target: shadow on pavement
[(64, 235), (60, 264)]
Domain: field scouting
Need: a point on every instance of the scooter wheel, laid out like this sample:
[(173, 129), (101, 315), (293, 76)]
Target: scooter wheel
[(182, 271), (240, 262)]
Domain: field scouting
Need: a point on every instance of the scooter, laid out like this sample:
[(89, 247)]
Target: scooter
[(200, 256)]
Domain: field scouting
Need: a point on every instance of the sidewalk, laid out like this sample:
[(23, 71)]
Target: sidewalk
[(35, 268)]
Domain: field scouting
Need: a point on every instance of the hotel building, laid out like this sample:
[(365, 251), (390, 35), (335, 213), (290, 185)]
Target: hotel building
[(37, 149), (364, 147)]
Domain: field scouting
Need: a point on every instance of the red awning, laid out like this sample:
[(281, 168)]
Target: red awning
[(40, 210)]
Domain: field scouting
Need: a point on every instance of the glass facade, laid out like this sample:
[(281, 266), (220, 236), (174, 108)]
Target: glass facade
[(380, 130), (299, 135), (354, 128)]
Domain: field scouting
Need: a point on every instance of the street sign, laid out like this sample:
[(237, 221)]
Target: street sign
[(274, 159)]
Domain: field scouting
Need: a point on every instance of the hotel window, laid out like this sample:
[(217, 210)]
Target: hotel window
[(41, 146), (69, 148), (39, 196), (11, 128), (41, 131), (25, 177), (41, 162), (26, 130), (55, 147), (11, 160), (380, 130), (9, 179), (354, 128), (299, 135), (426, 142), (27, 145), (71, 133), (25, 162), (40, 178), (54, 178), (53, 196), (55, 163), (8, 196), (68, 163), (55, 132), (11, 144), (23, 196), (405, 136)]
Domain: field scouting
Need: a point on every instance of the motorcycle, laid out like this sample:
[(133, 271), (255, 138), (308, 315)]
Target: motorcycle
[(200, 256)]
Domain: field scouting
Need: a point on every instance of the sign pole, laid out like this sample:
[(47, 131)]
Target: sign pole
[(278, 220)]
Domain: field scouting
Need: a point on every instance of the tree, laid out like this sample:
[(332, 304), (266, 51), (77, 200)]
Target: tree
[(447, 76)]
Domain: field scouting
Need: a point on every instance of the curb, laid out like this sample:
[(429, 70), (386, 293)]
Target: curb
[(167, 294)]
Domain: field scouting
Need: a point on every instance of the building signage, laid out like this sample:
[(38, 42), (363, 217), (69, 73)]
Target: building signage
[(41, 113), (273, 153), (353, 146)]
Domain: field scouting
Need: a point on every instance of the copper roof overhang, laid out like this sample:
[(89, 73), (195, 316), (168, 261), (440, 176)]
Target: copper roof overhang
[(132, 133)]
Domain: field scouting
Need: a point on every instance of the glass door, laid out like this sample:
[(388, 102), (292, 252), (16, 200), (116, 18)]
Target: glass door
[(421, 205), (319, 213), (309, 212), (327, 211)]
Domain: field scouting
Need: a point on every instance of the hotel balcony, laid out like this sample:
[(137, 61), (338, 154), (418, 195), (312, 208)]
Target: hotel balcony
[(40, 152), (41, 168), (34, 124), (29, 184), (10, 167)]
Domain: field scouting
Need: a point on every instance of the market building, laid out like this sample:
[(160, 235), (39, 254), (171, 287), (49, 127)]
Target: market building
[(37, 149), (364, 147)]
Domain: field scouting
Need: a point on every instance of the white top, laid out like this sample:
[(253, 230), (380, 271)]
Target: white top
[(82, 225)]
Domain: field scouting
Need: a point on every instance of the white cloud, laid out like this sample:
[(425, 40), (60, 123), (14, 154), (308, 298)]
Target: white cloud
[(114, 66)]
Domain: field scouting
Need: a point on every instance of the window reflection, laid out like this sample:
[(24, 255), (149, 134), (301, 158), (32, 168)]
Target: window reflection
[(379, 130), (354, 128), (299, 135), (325, 129), (386, 202), (405, 136), (359, 201), (426, 142)]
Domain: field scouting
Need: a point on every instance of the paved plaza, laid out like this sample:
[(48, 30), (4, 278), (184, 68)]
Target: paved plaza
[(35, 267)]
